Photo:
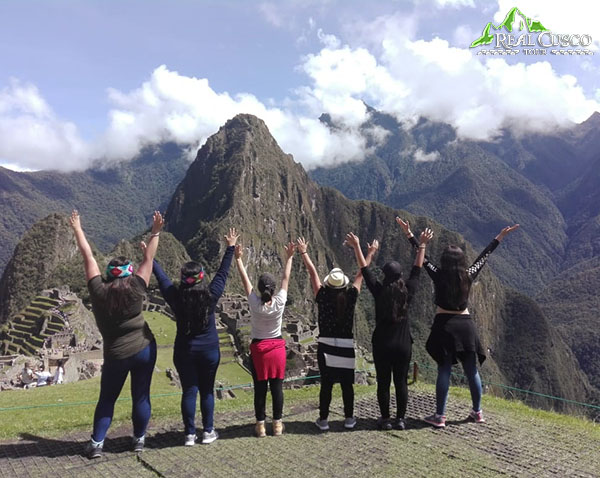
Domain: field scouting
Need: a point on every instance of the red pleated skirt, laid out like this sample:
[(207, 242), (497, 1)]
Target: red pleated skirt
[(268, 358)]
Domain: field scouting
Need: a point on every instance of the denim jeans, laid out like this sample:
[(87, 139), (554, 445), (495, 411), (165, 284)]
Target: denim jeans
[(197, 372), (469, 363), (114, 374)]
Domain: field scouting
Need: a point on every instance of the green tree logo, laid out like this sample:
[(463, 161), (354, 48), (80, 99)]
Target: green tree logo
[(513, 16)]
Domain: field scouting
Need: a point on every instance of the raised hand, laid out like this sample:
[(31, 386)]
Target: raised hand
[(157, 222), (373, 247), (352, 240), (405, 225), (506, 230), (290, 248), (75, 220), (238, 251), (425, 236), (302, 245), (231, 237)]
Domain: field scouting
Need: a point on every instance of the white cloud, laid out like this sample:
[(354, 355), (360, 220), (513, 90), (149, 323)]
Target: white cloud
[(463, 35), (410, 78), (32, 137), (454, 3), (423, 157), (172, 107)]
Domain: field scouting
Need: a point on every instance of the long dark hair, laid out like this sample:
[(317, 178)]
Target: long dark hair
[(394, 297), (337, 298), (121, 291), (195, 301), (454, 276)]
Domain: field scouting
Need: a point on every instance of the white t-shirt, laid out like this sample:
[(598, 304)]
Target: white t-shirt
[(42, 378), (59, 374), (265, 319)]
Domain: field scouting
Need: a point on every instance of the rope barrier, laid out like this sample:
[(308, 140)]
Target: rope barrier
[(296, 379), (515, 389)]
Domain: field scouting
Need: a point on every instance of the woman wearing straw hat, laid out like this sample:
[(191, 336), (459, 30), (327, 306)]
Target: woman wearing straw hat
[(267, 349), (336, 299)]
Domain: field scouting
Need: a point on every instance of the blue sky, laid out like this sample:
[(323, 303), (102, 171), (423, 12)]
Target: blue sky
[(82, 80)]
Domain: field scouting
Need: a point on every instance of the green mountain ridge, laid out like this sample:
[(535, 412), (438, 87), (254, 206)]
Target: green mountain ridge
[(116, 200), (242, 178)]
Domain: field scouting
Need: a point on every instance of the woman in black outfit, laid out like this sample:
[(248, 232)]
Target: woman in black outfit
[(392, 341), (453, 334)]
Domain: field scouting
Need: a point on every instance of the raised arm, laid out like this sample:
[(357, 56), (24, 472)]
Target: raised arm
[(167, 288), (239, 262), (425, 237), (145, 268), (89, 263), (217, 285), (483, 257), (371, 250), (287, 270), (302, 247)]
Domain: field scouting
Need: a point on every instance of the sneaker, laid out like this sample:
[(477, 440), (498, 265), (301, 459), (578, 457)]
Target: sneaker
[(190, 440), (438, 421), (137, 444), (259, 429), (400, 424), (93, 449), (322, 424), (477, 417), (278, 428), (349, 423), (209, 437), (384, 423)]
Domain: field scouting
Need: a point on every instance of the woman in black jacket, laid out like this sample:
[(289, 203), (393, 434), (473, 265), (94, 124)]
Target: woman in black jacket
[(453, 334), (392, 341)]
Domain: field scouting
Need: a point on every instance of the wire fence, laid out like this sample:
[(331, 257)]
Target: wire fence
[(416, 367)]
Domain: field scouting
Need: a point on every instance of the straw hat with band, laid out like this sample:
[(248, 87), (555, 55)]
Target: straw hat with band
[(336, 279)]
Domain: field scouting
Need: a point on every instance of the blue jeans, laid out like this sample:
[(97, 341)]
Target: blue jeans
[(197, 371), (469, 363), (114, 374)]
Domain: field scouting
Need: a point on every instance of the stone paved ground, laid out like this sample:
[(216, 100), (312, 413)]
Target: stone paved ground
[(503, 446)]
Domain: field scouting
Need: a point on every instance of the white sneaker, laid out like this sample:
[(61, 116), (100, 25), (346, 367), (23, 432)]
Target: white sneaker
[(350, 423), (190, 440), (209, 437)]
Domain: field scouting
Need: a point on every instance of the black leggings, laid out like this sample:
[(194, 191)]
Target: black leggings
[(386, 365), (260, 396), (325, 397)]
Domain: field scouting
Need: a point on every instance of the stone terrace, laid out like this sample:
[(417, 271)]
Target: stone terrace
[(504, 446)]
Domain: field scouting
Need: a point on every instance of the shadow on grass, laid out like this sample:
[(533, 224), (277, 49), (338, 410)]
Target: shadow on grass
[(36, 446)]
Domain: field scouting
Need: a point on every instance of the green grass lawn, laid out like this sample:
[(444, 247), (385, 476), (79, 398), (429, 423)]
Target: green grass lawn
[(56, 410)]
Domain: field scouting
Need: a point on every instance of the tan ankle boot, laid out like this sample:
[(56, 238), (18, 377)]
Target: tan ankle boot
[(278, 428), (259, 429)]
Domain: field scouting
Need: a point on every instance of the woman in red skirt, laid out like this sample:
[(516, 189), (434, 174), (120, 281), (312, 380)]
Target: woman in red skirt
[(268, 346)]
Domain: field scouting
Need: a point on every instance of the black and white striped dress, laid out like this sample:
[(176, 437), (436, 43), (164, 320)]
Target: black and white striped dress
[(335, 351)]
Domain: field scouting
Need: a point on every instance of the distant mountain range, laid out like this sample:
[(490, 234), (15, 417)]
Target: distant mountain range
[(242, 178), (117, 201), (549, 183)]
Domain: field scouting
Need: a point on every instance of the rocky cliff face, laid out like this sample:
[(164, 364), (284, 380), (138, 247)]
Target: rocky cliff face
[(242, 178), (44, 248)]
